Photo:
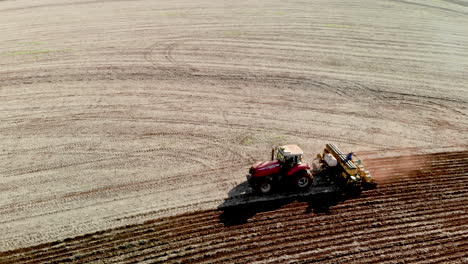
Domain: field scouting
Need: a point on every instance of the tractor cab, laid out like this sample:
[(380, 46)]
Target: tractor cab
[(288, 156)]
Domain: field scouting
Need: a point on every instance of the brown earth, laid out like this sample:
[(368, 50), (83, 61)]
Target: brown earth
[(115, 113)]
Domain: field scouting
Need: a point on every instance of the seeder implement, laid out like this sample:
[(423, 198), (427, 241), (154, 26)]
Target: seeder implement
[(349, 171)]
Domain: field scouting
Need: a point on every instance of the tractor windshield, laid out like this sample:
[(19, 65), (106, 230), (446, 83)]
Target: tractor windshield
[(289, 159), (280, 156), (299, 159)]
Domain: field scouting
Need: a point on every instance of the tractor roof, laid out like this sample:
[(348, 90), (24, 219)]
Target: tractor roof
[(291, 150)]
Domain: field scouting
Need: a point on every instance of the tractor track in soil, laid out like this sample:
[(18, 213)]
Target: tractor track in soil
[(415, 210)]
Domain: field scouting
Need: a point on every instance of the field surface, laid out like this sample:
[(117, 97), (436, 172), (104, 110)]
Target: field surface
[(126, 123), (411, 217)]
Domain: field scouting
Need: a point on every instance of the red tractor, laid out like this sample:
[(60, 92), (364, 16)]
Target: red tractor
[(285, 168)]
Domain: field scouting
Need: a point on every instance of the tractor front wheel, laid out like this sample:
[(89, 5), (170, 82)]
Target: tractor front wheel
[(264, 187)]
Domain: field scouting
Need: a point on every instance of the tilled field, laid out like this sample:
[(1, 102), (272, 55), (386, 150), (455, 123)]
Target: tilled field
[(417, 214), (118, 113)]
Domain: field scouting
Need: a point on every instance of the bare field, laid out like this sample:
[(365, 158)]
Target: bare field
[(142, 114)]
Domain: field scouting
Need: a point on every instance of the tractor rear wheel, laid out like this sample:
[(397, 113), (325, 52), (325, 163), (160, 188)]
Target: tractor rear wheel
[(303, 180)]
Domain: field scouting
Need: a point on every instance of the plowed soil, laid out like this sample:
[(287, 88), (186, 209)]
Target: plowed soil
[(137, 117)]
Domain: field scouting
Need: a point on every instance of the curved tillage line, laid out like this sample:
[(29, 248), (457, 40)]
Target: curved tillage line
[(131, 185), (232, 69), (138, 118), (74, 4), (259, 128), (433, 107), (143, 232), (398, 197), (418, 251), (94, 240), (410, 252), (301, 245), (162, 210), (416, 162), (370, 153), (196, 123), (393, 176), (189, 155), (440, 155), (260, 219), (230, 241), (415, 248), (268, 40), (414, 178), (98, 242), (256, 242), (59, 165), (289, 251), (106, 191), (261, 49), (444, 10), (249, 65), (433, 158), (50, 148), (400, 202), (207, 224), (418, 171), (331, 90), (277, 48), (450, 256)]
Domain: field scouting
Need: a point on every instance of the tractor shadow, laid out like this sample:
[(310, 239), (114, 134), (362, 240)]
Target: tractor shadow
[(241, 205)]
